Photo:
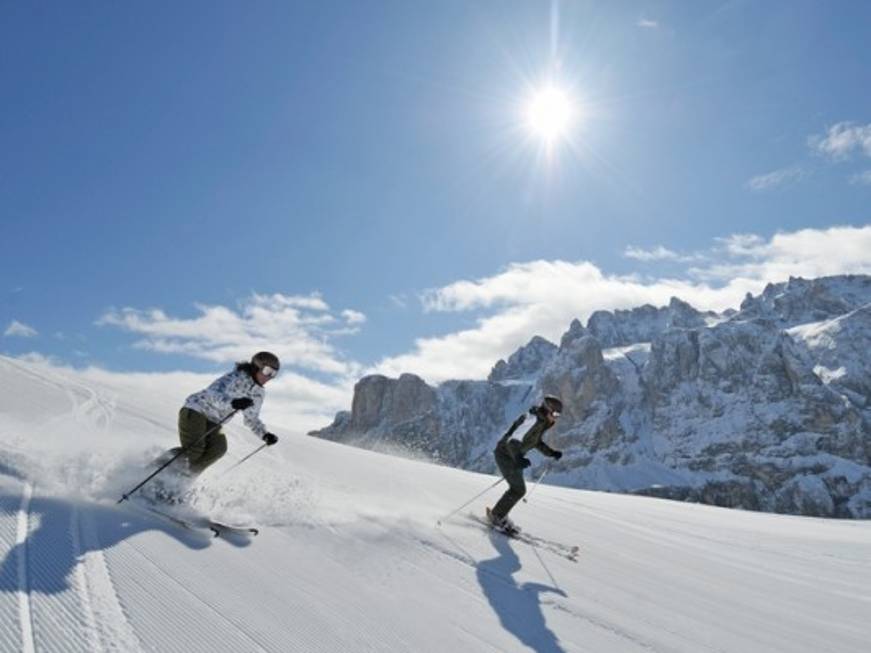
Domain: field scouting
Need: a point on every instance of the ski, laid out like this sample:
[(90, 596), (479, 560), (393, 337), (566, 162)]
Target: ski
[(220, 528), (567, 551), (178, 521), (202, 523)]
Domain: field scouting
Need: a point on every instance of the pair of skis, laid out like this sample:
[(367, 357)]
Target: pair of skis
[(567, 551), (203, 524)]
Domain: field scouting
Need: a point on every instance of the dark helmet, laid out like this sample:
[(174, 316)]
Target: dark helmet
[(265, 359), (554, 403)]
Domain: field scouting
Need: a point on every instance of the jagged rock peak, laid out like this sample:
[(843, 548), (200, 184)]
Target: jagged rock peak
[(378, 400), (800, 301), (525, 362), (642, 324)]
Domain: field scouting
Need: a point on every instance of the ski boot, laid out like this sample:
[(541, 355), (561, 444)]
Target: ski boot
[(503, 524)]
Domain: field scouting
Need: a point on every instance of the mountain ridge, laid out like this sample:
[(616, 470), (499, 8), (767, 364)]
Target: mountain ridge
[(766, 407)]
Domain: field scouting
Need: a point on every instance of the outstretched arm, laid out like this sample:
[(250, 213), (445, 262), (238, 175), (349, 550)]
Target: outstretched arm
[(514, 426), (547, 451), (251, 417)]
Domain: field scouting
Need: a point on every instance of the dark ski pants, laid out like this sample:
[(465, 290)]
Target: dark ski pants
[(513, 473), (191, 427)]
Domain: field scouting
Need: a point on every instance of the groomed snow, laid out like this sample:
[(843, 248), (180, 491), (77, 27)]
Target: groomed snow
[(350, 557)]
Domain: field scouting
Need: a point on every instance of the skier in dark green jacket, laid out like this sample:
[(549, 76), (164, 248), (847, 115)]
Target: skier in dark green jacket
[(511, 458)]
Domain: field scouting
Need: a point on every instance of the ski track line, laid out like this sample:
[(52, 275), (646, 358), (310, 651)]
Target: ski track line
[(354, 620), (186, 591), (108, 624), (60, 610), (10, 630), (80, 581), (92, 410), (802, 572), (611, 630), (24, 613)]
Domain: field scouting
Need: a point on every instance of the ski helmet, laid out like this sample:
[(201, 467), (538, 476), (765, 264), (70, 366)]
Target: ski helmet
[(265, 362), (553, 403)]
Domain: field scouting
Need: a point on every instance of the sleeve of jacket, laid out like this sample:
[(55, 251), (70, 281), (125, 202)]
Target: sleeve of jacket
[(251, 416), (540, 444), (546, 450), (514, 426)]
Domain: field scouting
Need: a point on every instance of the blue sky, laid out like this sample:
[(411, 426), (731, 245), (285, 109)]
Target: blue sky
[(354, 185)]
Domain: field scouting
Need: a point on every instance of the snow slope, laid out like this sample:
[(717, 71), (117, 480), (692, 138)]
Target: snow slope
[(350, 558)]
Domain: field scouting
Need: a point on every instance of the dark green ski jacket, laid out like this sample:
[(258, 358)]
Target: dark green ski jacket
[(531, 439)]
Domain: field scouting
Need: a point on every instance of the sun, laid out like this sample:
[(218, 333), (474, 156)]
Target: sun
[(550, 113)]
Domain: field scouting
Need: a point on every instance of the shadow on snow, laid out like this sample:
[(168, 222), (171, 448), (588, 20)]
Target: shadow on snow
[(518, 606), (66, 531)]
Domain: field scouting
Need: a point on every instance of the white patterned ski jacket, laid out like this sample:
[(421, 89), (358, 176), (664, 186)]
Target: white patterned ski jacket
[(214, 401)]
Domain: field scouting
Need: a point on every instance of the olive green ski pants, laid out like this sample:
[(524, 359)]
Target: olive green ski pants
[(513, 473), (191, 427)]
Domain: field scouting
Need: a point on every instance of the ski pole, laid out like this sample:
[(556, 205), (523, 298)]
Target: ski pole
[(234, 466), (543, 474), (447, 517), (127, 495)]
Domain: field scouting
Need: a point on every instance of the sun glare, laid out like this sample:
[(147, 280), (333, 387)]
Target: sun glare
[(550, 113)]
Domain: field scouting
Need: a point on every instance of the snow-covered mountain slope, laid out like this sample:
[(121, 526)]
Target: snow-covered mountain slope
[(350, 557), (766, 408)]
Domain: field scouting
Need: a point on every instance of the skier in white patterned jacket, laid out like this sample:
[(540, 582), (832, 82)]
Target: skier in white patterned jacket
[(243, 390)]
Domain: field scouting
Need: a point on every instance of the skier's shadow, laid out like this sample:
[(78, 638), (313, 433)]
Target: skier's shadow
[(64, 532), (518, 606)]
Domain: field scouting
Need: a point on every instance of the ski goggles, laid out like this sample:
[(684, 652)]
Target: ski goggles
[(269, 372)]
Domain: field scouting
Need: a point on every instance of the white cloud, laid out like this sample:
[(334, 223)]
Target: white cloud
[(842, 139), (20, 330), (647, 24), (294, 327), (353, 317), (861, 178), (658, 253), (741, 244), (542, 297), (777, 178), (38, 358), (807, 253)]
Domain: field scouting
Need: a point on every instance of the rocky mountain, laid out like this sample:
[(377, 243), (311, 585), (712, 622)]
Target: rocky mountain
[(764, 408), (526, 362)]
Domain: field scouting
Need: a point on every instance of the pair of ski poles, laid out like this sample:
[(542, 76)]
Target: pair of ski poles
[(483, 492), (187, 448)]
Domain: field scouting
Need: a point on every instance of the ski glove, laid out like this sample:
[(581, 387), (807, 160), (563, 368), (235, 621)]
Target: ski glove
[(519, 421), (557, 455), (270, 438), (242, 403), (524, 463)]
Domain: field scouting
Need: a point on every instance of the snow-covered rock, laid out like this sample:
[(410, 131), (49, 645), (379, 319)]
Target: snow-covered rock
[(453, 423), (767, 408), (643, 324), (527, 362), (800, 301)]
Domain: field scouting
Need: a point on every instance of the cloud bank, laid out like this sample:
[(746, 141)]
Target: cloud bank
[(297, 328), (542, 297)]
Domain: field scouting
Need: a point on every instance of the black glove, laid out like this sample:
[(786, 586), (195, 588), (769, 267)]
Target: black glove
[(241, 403), (557, 455), (524, 463), (270, 438), (519, 420)]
